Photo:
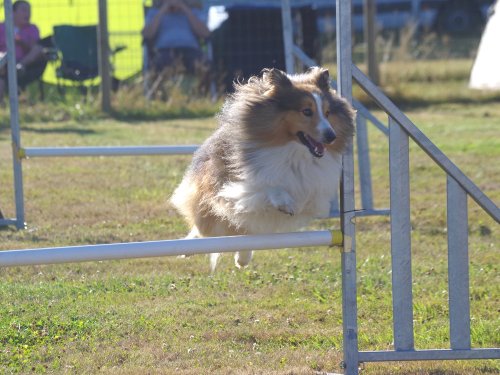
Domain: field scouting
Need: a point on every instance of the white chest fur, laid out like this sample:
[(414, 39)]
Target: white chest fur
[(309, 183)]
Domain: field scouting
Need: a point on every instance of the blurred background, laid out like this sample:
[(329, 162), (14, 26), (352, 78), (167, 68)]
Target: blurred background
[(440, 36)]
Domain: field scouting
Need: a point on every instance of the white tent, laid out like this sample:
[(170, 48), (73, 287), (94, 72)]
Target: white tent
[(486, 69)]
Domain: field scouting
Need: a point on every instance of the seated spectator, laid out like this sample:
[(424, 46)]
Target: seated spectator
[(30, 58), (173, 29)]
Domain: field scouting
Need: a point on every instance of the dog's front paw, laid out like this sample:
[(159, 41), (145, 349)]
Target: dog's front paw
[(282, 201)]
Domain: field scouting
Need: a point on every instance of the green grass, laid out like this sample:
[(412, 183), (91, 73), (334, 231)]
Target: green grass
[(282, 315)]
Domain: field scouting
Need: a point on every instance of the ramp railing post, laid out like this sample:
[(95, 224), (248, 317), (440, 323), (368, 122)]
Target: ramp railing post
[(402, 300), (347, 202), (458, 265)]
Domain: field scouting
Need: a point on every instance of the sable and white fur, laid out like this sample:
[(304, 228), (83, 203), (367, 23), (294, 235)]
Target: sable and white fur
[(273, 164)]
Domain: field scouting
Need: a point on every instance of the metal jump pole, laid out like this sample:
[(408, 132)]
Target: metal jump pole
[(168, 248), (31, 152), (14, 116), (347, 197)]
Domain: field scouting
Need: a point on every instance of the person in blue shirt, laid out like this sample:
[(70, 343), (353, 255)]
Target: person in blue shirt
[(173, 29)]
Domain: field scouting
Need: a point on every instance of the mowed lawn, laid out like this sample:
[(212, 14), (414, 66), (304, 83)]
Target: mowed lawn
[(281, 315)]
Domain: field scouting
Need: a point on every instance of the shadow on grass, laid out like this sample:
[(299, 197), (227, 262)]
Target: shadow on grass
[(140, 115), (59, 130)]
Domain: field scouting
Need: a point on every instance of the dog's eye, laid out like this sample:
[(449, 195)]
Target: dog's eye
[(307, 112)]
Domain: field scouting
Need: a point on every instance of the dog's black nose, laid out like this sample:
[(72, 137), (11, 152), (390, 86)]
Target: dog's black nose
[(329, 136)]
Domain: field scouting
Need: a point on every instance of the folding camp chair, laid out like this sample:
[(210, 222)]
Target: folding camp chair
[(77, 46)]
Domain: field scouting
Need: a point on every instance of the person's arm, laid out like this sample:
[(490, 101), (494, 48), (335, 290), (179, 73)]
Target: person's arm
[(34, 51), (151, 27), (199, 28), (29, 39), (24, 44)]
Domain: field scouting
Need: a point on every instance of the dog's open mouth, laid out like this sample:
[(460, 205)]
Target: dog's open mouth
[(316, 148)]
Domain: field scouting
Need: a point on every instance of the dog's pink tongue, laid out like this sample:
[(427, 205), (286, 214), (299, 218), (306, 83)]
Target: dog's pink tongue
[(319, 148)]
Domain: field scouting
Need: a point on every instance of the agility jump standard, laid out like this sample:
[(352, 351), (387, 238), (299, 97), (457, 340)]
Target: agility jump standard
[(168, 248)]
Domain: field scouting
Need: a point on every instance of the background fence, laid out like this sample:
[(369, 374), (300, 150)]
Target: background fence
[(125, 21), (249, 40)]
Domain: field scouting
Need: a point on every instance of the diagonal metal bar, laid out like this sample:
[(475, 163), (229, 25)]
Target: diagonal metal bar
[(425, 143)]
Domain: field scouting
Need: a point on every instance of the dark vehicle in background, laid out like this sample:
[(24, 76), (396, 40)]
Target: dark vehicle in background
[(456, 17)]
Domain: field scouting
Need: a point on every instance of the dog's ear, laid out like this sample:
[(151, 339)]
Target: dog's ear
[(320, 77), (276, 78)]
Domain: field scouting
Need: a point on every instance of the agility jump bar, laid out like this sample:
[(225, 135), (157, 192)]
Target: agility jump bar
[(149, 249), (31, 152)]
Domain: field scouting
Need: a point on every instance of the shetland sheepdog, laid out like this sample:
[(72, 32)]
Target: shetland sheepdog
[(273, 164)]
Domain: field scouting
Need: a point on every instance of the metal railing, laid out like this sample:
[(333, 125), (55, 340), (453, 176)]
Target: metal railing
[(459, 187)]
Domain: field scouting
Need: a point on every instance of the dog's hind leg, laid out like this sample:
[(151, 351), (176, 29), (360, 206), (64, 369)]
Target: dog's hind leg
[(194, 233), (242, 258), (214, 257)]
